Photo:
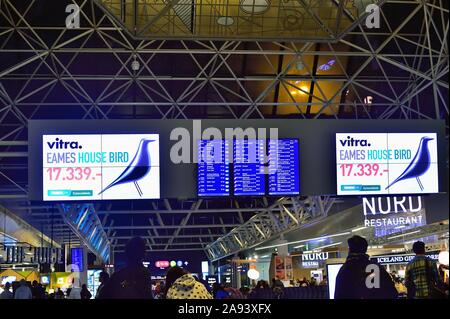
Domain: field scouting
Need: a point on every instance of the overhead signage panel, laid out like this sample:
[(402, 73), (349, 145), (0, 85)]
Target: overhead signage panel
[(100, 166), (386, 163)]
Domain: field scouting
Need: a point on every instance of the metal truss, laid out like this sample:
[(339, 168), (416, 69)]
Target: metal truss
[(316, 20), (100, 71), (284, 215), (84, 222)]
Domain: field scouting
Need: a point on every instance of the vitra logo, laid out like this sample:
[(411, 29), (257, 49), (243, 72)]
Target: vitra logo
[(350, 141), (60, 144)]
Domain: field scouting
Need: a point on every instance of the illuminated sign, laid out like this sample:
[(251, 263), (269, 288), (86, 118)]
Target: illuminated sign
[(401, 259), (101, 166), (77, 259), (211, 280), (162, 264), (312, 260), (386, 163), (166, 264), (389, 215), (33, 255), (315, 256), (213, 168)]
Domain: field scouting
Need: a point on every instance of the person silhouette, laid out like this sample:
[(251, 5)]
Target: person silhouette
[(133, 281)]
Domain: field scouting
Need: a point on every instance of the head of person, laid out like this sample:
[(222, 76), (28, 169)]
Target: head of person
[(419, 248), (172, 275), (135, 251), (357, 245), (7, 286), (83, 286), (22, 282), (103, 277), (35, 283)]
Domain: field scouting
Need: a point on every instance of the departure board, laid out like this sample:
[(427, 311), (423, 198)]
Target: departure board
[(213, 168), (284, 176), (248, 166)]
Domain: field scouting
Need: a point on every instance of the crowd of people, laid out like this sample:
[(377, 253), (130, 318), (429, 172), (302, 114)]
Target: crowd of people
[(358, 278), (362, 278), (37, 291)]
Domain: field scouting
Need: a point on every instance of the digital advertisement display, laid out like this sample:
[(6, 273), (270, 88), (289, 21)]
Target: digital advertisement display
[(213, 168), (248, 164), (386, 163), (101, 166), (284, 176), (77, 257)]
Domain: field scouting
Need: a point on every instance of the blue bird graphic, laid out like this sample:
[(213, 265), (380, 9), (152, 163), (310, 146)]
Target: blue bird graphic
[(419, 164), (136, 170)]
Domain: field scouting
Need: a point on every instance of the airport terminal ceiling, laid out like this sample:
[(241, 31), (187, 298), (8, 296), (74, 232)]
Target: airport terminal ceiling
[(329, 69)]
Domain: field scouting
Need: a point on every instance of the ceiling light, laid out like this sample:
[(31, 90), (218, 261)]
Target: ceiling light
[(303, 240), (299, 246), (299, 65), (330, 245), (254, 6), (443, 258), (225, 21), (303, 90), (405, 234), (135, 65), (253, 274), (358, 229)]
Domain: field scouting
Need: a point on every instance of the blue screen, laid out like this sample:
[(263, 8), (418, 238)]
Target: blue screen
[(213, 168), (284, 167), (77, 259), (248, 161)]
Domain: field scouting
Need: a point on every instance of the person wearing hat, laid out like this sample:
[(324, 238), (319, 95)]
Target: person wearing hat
[(356, 280)]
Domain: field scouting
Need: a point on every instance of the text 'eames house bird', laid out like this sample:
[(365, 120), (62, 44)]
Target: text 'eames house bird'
[(136, 170), (419, 164)]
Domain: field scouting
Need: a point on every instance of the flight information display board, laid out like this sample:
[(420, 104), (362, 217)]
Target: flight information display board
[(100, 167), (284, 178), (213, 168), (248, 167), (386, 163)]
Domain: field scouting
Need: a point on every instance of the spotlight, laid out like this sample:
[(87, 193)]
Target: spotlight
[(135, 65)]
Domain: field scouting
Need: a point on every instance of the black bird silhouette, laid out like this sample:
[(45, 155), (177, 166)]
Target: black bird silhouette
[(136, 170), (419, 164)]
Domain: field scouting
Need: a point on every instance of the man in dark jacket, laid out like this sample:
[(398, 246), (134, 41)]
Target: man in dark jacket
[(133, 281), (356, 280)]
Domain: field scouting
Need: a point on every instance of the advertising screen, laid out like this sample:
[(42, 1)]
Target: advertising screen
[(386, 163), (284, 178), (101, 166), (248, 167), (77, 257), (213, 168)]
